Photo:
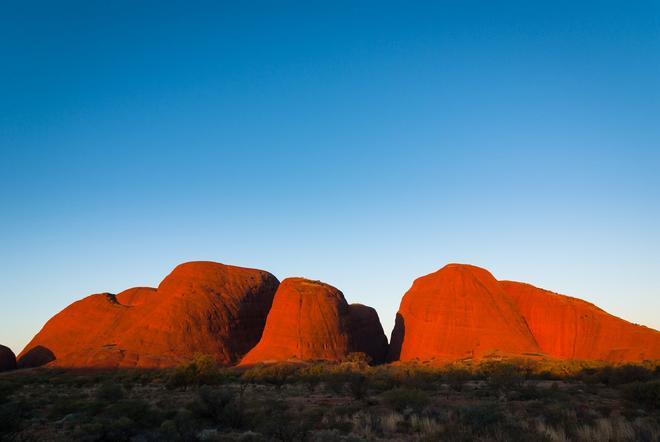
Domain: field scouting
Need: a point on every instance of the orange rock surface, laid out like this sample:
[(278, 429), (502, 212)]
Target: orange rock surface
[(462, 311), (570, 328), (311, 320), (458, 312), (200, 307), (7, 359)]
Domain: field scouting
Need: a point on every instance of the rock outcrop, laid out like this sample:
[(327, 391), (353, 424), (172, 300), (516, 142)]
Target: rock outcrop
[(570, 328), (7, 359), (462, 311), (201, 307), (311, 320), (458, 312), (366, 332)]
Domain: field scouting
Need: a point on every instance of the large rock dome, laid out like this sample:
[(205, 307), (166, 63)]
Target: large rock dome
[(570, 328), (458, 312), (201, 307), (311, 320)]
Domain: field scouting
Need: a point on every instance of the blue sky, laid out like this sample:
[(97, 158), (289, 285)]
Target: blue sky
[(360, 143)]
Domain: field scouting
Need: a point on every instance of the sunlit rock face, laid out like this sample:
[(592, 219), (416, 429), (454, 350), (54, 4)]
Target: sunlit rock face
[(245, 315), (201, 307), (570, 328), (458, 312), (463, 312), (311, 320)]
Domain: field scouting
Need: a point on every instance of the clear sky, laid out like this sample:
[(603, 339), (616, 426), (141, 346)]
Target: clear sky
[(360, 143)]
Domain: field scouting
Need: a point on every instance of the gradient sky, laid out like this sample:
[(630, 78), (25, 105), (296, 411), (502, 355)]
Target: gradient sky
[(360, 143)]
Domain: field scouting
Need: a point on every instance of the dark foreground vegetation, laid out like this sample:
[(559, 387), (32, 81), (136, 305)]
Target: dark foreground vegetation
[(494, 400)]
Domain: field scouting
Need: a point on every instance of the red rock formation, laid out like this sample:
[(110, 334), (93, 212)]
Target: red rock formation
[(366, 332), (462, 311), (570, 328), (311, 320), (7, 359), (200, 307), (308, 320), (458, 312), (136, 296)]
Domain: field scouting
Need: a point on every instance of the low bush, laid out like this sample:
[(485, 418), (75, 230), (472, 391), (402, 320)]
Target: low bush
[(276, 421), (181, 427), (528, 393), (201, 370), (482, 415), (64, 406), (221, 407), (7, 388), (357, 384), (138, 410), (110, 391), (359, 359), (12, 416), (503, 375), (646, 394), (456, 377), (406, 399), (276, 374), (119, 429), (616, 375)]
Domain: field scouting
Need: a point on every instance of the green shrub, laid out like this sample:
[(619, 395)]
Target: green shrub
[(119, 429), (482, 415), (219, 406), (456, 378), (64, 406), (182, 427), (559, 415), (276, 421), (137, 410), (381, 379), (357, 384), (310, 379), (358, 358), (7, 388), (616, 375), (110, 391), (647, 394), (628, 373), (403, 398), (503, 375), (276, 374), (528, 393), (416, 377), (12, 416), (202, 370)]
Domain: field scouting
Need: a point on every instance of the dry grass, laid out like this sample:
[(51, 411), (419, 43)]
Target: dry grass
[(390, 422), (425, 425)]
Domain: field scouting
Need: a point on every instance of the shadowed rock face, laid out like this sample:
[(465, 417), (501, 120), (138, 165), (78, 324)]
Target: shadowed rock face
[(570, 328), (200, 307), (366, 332), (462, 311), (311, 320), (35, 357), (7, 359), (458, 312)]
